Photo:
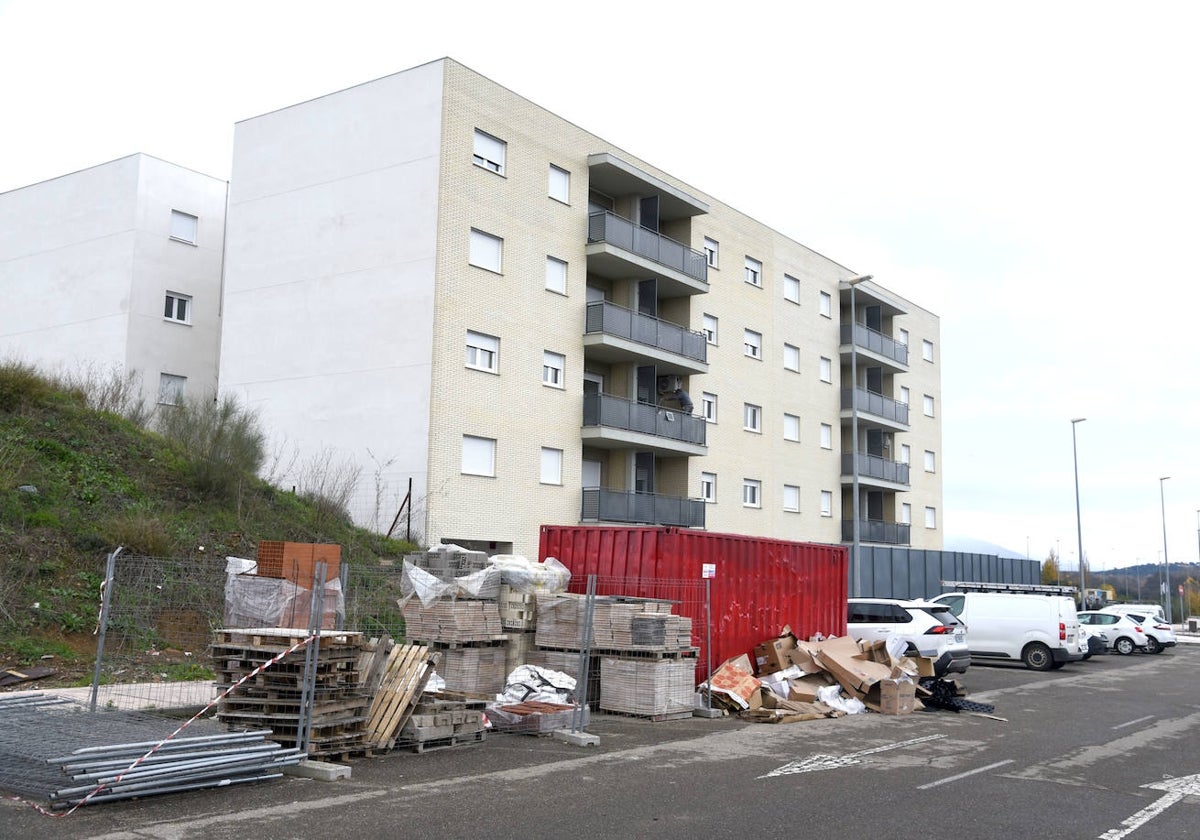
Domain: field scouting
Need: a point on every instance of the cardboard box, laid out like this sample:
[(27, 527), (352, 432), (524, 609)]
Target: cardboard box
[(805, 688), (856, 673), (896, 696), (772, 655), (734, 682)]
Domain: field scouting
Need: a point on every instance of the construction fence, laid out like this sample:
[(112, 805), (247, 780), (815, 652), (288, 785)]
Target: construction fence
[(349, 667)]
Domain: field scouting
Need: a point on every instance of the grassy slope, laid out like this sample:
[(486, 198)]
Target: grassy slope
[(100, 481)]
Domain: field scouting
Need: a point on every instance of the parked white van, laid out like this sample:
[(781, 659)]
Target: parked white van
[(1040, 630)]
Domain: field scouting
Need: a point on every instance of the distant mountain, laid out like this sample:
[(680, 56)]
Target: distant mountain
[(974, 545)]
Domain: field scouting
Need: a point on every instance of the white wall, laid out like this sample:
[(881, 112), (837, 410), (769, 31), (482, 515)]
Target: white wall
[(329, 280), (85, 261)]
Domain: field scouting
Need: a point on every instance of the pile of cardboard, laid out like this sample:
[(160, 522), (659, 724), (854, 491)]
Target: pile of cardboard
[(791, 674)]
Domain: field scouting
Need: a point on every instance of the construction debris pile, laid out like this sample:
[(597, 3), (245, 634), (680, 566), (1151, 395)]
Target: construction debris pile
[(806, 680)]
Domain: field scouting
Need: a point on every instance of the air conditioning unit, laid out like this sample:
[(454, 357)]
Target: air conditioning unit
[(669, 384)]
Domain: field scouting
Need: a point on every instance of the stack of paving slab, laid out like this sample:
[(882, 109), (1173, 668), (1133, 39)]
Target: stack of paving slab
[(468, 636), (644, 654)]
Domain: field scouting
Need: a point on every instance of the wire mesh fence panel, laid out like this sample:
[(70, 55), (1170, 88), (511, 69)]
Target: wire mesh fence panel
[(372, 594), (162, 614)]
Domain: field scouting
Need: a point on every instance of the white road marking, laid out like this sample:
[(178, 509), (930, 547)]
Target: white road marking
[(1176, 789), (1133, 722), (820, 761), (964, 775)]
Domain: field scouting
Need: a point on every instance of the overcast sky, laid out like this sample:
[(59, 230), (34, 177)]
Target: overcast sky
[(1027, 171)]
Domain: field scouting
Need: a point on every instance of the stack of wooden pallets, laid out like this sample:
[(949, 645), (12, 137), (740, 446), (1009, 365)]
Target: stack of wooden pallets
[(272, 698)]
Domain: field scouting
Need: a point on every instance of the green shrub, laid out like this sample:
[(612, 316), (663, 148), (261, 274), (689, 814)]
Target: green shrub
[(222, 439), (140, 532), (21, 384)]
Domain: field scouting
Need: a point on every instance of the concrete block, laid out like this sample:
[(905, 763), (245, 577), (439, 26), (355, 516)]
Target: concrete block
[(322, 771)]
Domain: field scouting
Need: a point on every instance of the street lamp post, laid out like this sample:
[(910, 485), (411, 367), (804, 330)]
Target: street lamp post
[(1166, 558), (855, 533), (1078, 519)]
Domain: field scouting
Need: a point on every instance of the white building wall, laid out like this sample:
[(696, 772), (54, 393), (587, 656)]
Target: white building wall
[(329, 282), (86, 259)]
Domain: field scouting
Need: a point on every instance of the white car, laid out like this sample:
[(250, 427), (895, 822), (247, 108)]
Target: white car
[(1159, 634), (930, 629), (1121, 633)]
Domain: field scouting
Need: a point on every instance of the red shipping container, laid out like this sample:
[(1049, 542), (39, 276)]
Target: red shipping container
[(759, 584)]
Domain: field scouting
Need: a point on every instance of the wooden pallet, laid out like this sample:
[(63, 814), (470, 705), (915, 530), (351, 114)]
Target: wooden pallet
[(404, 676)]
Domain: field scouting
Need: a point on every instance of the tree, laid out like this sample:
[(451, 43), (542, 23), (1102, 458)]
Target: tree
[(1050, 568)]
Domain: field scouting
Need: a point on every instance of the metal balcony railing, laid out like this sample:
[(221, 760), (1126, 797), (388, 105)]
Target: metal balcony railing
[(874, 466), (601, 505), (876, 404), (876, 342), (618, 413), (876, 531), (610, 319), (604, 226)]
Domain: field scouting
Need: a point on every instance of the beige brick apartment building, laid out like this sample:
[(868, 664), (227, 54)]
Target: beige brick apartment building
[(435, 279)]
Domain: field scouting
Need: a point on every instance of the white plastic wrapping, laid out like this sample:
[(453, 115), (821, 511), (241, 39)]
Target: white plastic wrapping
[(544, 685), (529, 576), (427, 587), (831, 695), (482, 584)]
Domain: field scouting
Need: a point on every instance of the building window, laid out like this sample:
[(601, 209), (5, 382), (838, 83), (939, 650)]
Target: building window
[(905, 513), (489, 152), (930, 517), (478, 455), (927, 350), (708, 406), (751, 417), (710, 328), (560, 184), (551, 465), (791, 427), (708, 487), (791, 288), (826, 304), (826, 436), (903, 338), (556, 275), (753, 272), (827, 503), (751, 493), (928, 406), (184, 227), (178, 308), (712, 250), (905, 453), (904, 394), (791, 357), (753, 342), (791, 498), (483, 352), (171, 388), (554, 366), (930, 462), (486, 250), (826, 369)]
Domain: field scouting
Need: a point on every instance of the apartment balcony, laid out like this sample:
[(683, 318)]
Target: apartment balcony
[(603, 505), (877, 531), (615, 334), (619, 249), (614, 423), (875, 471), (875, 409), (873, 345)]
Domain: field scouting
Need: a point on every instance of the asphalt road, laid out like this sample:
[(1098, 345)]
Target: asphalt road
[(1100, 749)]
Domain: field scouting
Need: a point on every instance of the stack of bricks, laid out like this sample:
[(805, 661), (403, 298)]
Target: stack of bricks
[(618, 624), (469, 637), (660, 689)]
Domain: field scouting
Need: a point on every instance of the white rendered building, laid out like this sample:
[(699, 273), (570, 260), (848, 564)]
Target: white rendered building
[(436, 280), (116, 268)]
